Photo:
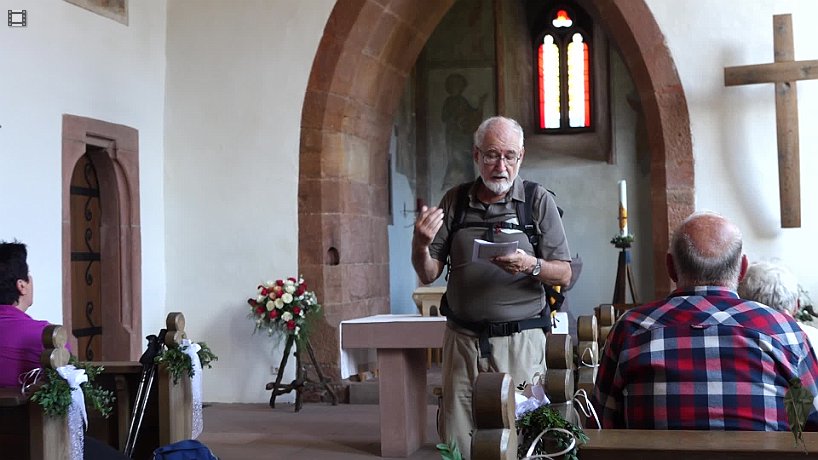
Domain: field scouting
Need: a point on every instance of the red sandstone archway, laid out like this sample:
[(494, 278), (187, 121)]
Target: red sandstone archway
[(363, 60)]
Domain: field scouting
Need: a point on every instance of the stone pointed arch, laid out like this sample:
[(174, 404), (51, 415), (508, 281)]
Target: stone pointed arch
[(363, 60)]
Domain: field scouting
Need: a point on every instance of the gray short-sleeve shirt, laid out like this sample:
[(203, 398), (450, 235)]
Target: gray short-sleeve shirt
[(480, 291)]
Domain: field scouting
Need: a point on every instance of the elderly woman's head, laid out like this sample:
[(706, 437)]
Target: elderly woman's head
[(771, 284)]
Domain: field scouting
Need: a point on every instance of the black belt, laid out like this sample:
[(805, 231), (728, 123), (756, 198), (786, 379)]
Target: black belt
[(487, 329)]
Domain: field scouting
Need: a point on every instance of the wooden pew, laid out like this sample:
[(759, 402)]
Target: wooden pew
[(168, 413), (495, 436), (490, 443), (716, 445), (25, 431)]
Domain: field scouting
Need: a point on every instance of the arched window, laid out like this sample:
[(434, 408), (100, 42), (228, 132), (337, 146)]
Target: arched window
[(563, 71)]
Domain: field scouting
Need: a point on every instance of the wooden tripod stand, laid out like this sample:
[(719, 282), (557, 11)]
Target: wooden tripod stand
[(624, 276), (300, 374)]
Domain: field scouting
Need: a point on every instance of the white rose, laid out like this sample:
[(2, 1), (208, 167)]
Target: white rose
[(287, 298), (260, 299), (287, 316), (270, 305), (269, 284), (290, 288), (279, 303)]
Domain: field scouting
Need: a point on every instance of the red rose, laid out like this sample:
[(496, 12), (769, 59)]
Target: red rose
[(303, 285), (273, 314), (292, 279), (260, 309), (291, 325), (264, 291), (299, 291), (296, 310), (280, 282)]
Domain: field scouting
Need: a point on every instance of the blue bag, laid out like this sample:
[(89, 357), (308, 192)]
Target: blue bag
[(189, 449)]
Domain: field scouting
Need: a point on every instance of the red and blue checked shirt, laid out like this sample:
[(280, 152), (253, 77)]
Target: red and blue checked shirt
[(699, 360)]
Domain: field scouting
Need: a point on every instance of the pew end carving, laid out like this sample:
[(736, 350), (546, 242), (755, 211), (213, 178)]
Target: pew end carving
[(495, 434), (25, 431)]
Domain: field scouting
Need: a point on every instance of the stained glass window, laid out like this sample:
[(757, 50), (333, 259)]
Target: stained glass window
[(563, 74)]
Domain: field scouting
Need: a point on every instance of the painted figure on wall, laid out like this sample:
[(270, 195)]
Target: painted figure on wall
[(460, 119)]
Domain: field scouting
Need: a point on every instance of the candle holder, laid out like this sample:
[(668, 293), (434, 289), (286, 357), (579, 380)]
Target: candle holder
[(624, 274)]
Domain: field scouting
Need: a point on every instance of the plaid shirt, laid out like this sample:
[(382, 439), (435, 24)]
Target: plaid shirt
[(702, 359)]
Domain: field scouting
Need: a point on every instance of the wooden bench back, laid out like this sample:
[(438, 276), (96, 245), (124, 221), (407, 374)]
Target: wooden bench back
[(168, 415), (25, 431)]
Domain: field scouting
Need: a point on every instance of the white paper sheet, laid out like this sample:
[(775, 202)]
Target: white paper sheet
[(483, 251)]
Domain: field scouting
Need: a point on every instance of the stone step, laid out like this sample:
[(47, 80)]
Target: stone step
[(367, 392)]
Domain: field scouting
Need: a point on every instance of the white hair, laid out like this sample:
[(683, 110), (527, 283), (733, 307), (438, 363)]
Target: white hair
[(480, 133), (771, 284)]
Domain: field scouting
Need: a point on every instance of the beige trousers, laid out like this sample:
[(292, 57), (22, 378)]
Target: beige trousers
[(522, 355)]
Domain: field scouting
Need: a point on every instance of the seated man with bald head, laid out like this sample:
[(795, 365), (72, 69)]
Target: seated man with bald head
[(703, 358)]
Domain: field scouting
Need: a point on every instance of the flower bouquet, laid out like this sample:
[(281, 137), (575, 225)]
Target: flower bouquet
[(284, 306)]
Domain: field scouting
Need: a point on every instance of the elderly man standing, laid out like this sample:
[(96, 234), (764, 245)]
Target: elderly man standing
[(496, 312), (703, 358), (775, 286)]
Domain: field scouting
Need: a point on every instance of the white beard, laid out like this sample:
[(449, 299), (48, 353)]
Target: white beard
[(499, 187)]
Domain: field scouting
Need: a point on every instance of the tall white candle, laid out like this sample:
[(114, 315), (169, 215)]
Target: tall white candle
[(623, 208)]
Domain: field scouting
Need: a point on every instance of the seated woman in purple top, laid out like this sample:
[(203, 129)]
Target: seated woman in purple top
[(20, 335), (21, 340)]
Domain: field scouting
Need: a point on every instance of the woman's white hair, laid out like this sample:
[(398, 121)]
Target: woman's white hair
[(771, 284)]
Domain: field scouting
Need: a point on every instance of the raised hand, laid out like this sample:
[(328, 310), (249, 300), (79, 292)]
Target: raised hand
[(427, 224)]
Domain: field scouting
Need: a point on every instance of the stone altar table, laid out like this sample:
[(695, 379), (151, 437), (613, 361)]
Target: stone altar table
[(401, 342)]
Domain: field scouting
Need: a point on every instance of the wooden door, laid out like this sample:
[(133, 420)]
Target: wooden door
[(86, 256)]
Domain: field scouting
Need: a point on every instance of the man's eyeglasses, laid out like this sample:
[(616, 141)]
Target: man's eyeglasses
[(491, 157)]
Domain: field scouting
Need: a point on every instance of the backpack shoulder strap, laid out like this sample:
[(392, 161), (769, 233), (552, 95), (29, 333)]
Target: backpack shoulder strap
[(525, 215), (460, 206)]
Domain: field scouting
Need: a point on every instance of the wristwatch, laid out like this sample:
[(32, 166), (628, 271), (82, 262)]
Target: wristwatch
[(537, 268)]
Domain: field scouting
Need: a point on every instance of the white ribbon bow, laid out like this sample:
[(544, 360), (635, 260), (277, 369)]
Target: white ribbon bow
[(192, 350), (77, 417), (75, 377)]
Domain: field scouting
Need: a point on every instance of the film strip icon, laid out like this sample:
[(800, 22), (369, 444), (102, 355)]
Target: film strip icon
[(18, 18)]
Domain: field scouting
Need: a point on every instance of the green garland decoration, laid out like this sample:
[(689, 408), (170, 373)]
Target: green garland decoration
[(178, 363), (534, 422), (54, 395), (622, 241)]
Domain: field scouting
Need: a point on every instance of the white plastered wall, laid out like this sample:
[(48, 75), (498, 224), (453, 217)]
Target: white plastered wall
[(237, 74), (68, 60), (734, 134)]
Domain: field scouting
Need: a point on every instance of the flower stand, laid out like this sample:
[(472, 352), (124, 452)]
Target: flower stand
[(300, 374)]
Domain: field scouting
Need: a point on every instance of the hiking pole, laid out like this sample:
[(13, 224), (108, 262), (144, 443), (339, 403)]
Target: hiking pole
[(141, 401)]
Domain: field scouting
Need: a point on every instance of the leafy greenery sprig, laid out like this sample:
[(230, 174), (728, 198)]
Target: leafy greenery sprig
[(622, 241), (449, 451), (178, 363), (206, 356), (798, 403), (532, 423), (54, 395), (805, 313)]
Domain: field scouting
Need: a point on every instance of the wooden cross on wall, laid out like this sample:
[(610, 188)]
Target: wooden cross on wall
[(784, 73)]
